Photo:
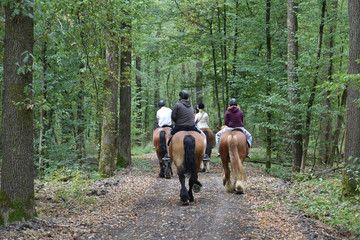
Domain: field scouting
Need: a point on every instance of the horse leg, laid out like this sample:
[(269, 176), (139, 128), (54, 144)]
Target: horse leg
[(184, 196), (168, 171), (162, 168), (202, 168), (226, 179), (193, 184)]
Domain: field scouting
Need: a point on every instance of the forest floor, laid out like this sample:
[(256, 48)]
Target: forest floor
[(137, 205)]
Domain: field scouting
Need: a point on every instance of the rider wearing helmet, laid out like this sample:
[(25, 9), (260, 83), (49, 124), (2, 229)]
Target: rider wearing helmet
[(234, 118), (163, 115), (183, 117)]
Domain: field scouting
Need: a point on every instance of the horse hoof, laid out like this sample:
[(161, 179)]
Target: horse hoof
[(161, 175), (186, 203), (202, 170), (196, 188), (167, 176)]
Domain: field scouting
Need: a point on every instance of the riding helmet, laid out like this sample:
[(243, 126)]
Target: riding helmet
[(161, 103), (184, 94), (201, 106), (233, 102)]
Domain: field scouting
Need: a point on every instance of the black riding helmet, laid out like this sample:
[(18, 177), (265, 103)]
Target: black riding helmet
[(161, 103), (201, 106), (184, 94), (233, 102)]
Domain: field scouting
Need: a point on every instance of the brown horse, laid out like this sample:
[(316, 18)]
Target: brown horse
[(187, 151), (205, 164), (159, 141), (233, 148)]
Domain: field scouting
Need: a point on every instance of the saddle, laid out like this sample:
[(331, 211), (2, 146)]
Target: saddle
[(238, 129)]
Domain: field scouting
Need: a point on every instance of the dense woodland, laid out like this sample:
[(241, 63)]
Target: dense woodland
[(83, 86)]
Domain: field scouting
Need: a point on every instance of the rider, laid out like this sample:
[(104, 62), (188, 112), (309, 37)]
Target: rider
[(234, 118), (163, 115), (183, 117), (202, 118)]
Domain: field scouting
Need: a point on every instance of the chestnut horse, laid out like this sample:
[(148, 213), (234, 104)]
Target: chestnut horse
[(187, 151), (233, 148), (159, 141), (205, 164)]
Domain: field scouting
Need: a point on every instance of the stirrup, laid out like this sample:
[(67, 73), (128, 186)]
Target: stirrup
[(206, 158), (166, 158)]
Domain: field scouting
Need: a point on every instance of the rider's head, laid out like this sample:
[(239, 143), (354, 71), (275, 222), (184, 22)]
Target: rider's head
[(184, 94), (161, 103), (233, 102), (201, 106)]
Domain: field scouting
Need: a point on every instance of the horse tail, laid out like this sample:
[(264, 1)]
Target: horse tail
[(236, 161), (208, 148), (163, 150), (189, 154)]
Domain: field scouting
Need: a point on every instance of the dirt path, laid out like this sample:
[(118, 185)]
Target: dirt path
[(259, 213), (134, 205)]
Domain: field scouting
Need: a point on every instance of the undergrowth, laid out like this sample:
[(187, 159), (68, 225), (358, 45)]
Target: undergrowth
[(322, 199)]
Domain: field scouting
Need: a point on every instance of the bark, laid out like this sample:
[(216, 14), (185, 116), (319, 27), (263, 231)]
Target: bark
[(199, 77), (327, 138), (215, 75), (124, 155), (139, 124), (352, 150), (108, 151), (313, 88), (268, 83), (293, 91), (17, 175)]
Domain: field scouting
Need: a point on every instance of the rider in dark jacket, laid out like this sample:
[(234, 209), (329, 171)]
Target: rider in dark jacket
[(184, 119)]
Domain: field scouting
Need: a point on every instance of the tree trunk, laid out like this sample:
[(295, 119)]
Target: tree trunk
[(17, 175), (215, 75), (108, 151), (268, 83), (124, 155), (139, 125), (352, 150), (313, 89), (326, 124), (199, 76), (293, 91)]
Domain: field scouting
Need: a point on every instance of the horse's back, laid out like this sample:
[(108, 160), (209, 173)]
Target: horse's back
[(228, 137), (177, 148)]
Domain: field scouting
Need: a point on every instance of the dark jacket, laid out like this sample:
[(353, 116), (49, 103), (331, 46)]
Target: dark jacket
[(234, 117), (183, 113)]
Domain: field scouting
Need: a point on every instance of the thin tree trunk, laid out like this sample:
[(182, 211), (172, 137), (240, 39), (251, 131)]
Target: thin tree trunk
[(313, 89), (199, 76), (215, 76), (293, 91), (268, 83), (17, 201), (139, 124)]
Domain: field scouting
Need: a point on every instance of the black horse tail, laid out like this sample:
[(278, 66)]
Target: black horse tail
[(163, 150), (189, 154), (208, 148)]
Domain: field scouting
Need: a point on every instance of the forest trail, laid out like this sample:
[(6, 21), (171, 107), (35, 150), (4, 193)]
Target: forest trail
[(131, 206), (259, 213)]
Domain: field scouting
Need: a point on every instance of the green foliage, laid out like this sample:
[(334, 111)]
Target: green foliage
[(148, 148), (279, 171), (71, 185), (322, 198)]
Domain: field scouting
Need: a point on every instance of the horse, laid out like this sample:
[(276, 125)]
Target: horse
[(233, 148), (187, 151), (205, 164), (159, 141)]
